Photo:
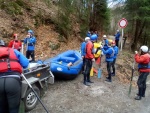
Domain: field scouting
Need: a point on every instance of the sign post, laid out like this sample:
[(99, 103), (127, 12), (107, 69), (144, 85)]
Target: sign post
[(122, 23)]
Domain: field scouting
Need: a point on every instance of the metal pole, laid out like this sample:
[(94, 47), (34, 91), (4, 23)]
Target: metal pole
[(22, 47), (34, 92), (121, 40)]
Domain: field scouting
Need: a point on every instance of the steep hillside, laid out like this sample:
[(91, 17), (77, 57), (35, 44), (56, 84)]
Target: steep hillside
[(38, 16)]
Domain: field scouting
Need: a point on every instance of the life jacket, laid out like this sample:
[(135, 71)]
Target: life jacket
[(89, 52), (8, 61), (145, 65), (110, 55), (97, 50), (16, 45)]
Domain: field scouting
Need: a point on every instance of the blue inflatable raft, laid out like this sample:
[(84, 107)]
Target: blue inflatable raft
[(67, 65)]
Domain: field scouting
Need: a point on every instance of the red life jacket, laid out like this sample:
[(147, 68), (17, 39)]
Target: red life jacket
[(144, 62), (9, 61), (89, 50)]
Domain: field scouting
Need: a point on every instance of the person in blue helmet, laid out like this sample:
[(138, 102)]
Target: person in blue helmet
[(83, 51), (30, 41), (109, 53), (88, 34), (11, 63), (116, 50), (117, 37), (105, 42), (94, 37)]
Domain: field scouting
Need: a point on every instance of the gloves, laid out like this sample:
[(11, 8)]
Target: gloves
[(93, 60), (101, 46), (136, 52)]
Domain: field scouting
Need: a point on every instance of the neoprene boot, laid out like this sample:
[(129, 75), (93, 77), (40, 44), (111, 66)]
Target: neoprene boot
[(89, 81), (138, 97), (143, 92), (113, 74), (85, 83)]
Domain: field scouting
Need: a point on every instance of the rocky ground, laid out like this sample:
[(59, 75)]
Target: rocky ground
[(100, 97)]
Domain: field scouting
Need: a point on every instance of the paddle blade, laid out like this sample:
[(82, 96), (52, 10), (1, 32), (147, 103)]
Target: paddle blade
[(98, 60), (91, 72), (130, 88), (99, 73), (95, 71)]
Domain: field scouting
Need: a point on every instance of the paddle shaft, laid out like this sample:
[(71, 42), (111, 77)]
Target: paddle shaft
[(35, 93), (130, 87)]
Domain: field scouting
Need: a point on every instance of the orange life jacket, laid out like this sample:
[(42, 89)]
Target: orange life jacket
[(9, 61)]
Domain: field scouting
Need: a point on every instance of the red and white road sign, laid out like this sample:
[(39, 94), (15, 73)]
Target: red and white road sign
[(123, 23)]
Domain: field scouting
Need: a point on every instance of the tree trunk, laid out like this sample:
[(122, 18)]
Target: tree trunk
[(135, 40)]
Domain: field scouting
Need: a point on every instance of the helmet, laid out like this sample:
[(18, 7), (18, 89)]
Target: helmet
[(93, 37), (104, 36), (30, 31), (118, 30), (87, 38), (14, 35), (144, 48), (2, 43), (113, 42)]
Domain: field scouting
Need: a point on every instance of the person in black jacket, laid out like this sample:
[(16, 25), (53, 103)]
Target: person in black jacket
[(11, 63)]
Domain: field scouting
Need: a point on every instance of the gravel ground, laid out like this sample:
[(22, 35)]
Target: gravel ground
[(100, 97)]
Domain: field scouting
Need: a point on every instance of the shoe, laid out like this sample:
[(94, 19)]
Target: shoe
[(141, 96), (108, 80), (83, 72), (112, 74), (138, 98), (85, 83), (90, 82)]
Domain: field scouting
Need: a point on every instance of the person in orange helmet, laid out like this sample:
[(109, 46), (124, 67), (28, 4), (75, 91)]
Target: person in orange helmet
[(15, 43)]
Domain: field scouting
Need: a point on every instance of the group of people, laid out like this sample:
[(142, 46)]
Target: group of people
[(110, 50), (30, 41), (12, 62)]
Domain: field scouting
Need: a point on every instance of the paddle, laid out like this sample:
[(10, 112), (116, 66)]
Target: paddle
[(91, 72), (99, 69), (130, 87)]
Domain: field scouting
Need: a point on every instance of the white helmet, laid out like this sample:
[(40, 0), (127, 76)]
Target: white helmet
[(118, 30), (87, 38), (144, 48), (104, 36)]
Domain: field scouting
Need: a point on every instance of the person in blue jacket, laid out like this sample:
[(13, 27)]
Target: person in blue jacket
[(117, 37), (11, 63), (105, 42), (30, 41), (109, 53), (88, 34), (116, 50), (83, 51)]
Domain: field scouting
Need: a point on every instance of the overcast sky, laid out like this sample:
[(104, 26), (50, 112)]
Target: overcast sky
[(111, 3)]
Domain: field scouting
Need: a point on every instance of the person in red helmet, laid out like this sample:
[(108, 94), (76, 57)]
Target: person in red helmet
[(15, 43), (143, 60), (116, 50)]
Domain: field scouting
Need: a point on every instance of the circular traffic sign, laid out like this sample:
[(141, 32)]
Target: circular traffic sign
[(123, 23)]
